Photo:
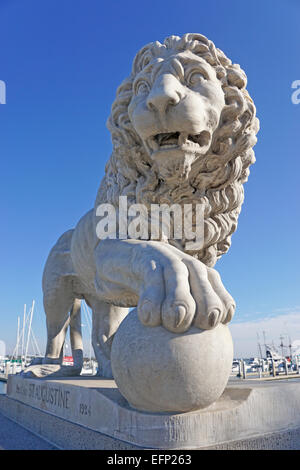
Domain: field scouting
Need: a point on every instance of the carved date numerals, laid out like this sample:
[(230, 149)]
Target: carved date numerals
[(85, 409)]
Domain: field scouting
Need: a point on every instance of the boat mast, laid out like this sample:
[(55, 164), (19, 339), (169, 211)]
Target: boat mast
[(29, 329), (35, 344), (16, 349), (259, 346), (281, 345), (18, 338), (290, 347), (23, 332), (264, 335)]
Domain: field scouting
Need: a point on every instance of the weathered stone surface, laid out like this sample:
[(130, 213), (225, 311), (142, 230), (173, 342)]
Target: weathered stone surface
[(183, 126), (157, 370)]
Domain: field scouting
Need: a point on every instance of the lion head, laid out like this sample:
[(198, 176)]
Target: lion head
[(183, 126)]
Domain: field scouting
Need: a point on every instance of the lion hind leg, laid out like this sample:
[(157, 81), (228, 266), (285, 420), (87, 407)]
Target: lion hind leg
[(62, 311), (62, 308), (58, 322)]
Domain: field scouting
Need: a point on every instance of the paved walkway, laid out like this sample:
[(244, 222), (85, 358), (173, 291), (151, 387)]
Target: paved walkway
[(15, 437)]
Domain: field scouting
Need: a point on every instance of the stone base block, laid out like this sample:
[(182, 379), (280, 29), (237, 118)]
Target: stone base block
[(90, 413)]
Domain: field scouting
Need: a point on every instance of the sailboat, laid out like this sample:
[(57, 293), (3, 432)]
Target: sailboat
[(20, 357)]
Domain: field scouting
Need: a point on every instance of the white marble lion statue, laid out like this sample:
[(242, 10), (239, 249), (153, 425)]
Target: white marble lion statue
[(183, 126)]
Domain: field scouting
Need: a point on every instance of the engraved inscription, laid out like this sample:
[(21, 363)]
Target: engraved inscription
[(21, 389), (45, 394)]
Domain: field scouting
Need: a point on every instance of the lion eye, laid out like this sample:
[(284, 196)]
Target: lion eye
[(195, 78), (141, 87)]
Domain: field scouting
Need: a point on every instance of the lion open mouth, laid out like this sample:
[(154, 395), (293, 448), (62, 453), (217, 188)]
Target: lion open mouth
[(171, 140)]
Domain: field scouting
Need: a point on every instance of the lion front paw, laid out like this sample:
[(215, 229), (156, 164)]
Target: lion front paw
[(181, 291)]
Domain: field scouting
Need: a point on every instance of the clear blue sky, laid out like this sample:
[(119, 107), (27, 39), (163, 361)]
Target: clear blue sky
[(62, 61)]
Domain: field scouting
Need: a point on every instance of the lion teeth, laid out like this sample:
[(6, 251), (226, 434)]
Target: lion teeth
[(168, 140), (169, 146), (182, 138)]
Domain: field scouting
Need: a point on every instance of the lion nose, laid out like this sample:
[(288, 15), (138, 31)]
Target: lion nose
[(164, 93)]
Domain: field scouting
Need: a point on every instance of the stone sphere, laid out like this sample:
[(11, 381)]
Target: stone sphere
[(160, 371)]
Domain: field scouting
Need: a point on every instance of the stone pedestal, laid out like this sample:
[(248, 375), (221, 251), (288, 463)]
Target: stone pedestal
[(90, 413)]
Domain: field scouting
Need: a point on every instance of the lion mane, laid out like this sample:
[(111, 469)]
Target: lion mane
[(216, 179)]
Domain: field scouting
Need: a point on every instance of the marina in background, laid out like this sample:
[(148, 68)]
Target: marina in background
[(272, 361)]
